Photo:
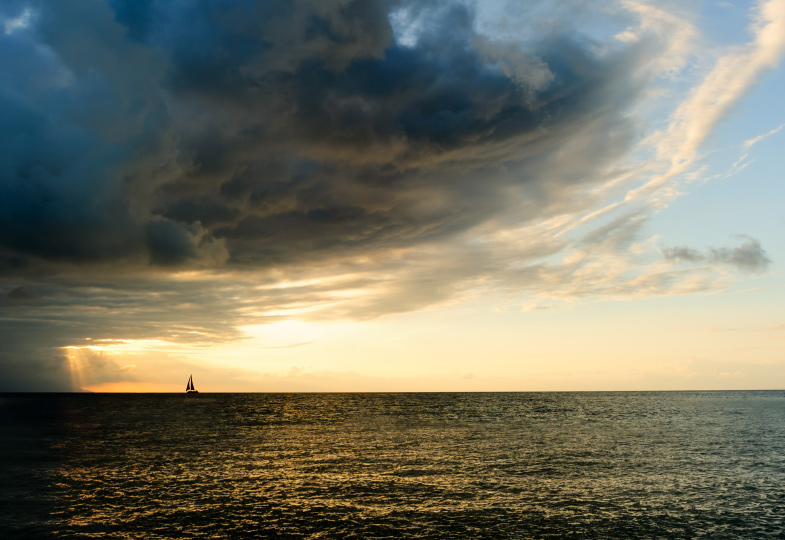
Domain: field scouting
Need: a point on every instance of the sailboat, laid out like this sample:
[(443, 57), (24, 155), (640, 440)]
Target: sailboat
[(189, 389)]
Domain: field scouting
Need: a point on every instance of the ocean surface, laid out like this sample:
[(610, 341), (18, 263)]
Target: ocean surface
[(467, 465)]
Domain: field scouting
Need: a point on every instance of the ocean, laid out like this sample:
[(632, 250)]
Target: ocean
[(412, 465)]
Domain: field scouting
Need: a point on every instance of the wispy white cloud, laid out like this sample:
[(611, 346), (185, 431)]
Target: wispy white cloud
[(741, 163), (12, 24), (657, 22), (755, 140), (714, 97)]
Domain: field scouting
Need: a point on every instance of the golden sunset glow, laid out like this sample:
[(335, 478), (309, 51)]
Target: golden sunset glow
[(461, 269), (132, 387), (453, 197)]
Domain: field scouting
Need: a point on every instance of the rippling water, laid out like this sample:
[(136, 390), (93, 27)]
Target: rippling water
[(508, 465)]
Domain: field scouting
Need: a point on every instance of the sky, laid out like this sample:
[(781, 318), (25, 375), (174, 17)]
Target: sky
[(359, 195)]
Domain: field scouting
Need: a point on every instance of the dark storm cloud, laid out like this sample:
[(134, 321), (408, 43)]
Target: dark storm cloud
[(139, 138), (285, 129), (21, 294), (79, 129), (29, 357), (749, 256)]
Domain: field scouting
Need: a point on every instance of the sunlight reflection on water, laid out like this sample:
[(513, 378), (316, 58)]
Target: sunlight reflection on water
[(584, 465)]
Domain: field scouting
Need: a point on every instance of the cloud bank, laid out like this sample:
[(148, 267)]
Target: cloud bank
[(268, 133), (175, 170)]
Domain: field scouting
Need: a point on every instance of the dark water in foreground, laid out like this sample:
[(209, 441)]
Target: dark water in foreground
[(513, 465)]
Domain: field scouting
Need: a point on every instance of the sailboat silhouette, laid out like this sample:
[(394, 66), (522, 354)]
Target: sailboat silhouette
[(189, 389)]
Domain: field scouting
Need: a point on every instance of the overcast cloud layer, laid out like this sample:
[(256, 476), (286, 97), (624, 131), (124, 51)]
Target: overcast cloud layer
[(287, 152)]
